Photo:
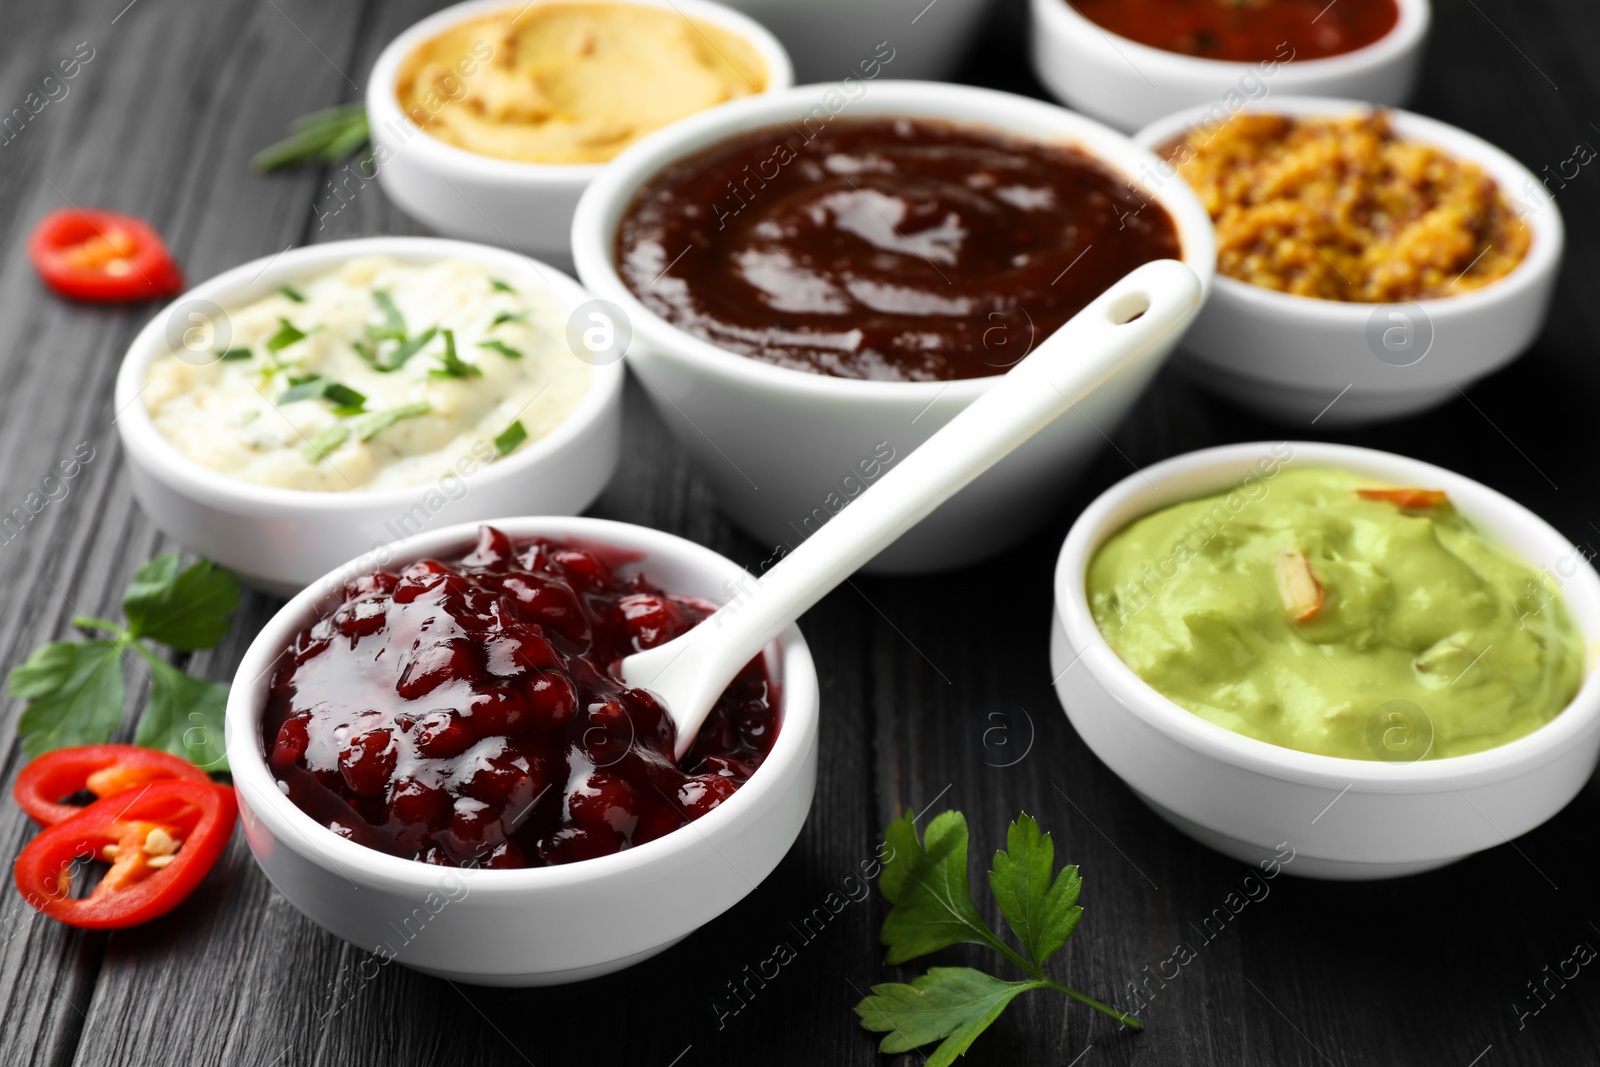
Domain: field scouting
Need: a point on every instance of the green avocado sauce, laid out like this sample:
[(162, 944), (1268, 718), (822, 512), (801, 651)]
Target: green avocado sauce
[(1412, 636)]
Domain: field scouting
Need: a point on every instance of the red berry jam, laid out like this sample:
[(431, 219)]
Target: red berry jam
[(468, 713)]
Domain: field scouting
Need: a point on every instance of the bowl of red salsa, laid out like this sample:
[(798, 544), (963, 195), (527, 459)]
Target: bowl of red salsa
[(1129, 62), (436, 761)]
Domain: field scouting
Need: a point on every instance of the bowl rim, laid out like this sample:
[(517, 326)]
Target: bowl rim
[(240, 285), (1514, 179), (1415, 19), (799, 688), (1226, 464), (384, 104), (600, 209)]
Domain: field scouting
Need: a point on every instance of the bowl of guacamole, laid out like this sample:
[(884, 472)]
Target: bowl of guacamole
[(1376, 657)]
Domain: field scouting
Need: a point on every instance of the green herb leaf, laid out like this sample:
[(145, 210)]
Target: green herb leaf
[(407, 349), (184, 715), (503, 349), (509, 438), (187, 610), (394, 323), (309, 387), (325, 136), (926, 881), (235, 353), (952, 1004), (452, 365), (500, 286), (76, 689), (75, 692), (316, 449), (378, 421), (287, 335), (292, 293), (91, 623), (927, 884), (1042, 914), (508, 316), (345, 400)]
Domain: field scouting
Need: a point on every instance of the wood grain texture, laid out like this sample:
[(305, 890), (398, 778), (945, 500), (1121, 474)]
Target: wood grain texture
[(936, 691)]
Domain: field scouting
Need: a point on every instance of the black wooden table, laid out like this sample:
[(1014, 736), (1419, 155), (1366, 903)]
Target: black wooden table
[(1434, 969)]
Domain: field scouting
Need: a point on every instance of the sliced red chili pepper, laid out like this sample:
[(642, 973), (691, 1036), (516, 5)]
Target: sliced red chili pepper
[(160, 838), (103, 770), (89, 254), (1407, 499)]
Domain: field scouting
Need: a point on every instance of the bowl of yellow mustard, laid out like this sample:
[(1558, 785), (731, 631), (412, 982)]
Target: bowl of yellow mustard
[(489, 118), (1370, 663)]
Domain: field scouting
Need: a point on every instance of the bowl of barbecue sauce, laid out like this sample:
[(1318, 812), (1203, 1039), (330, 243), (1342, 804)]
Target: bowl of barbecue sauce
[(815, 283)]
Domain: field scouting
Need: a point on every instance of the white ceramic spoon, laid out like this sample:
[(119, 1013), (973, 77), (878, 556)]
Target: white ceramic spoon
[(1124, 327)]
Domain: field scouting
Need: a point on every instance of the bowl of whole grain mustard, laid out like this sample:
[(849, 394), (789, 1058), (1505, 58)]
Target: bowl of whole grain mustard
[(1371, 263), (489, 118), (1376, 662)]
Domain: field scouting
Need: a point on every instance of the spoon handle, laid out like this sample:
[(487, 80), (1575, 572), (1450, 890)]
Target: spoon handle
[(1121, 329)]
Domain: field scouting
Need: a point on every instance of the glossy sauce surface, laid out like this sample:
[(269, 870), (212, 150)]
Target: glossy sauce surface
[(897, 249), (1249, 31), (467, 714)]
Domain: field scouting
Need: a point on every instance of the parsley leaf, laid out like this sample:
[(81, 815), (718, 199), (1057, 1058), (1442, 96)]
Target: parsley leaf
[(1042, 914), (75, 692), (187, 610), (378, 421), (287, 335), (926, 882), (500, 286), (184, 715), (508, 316), (509, 438), (234, 353), (502, 348), (292, 293), (952, 1004), (76, 689), (452, 365)]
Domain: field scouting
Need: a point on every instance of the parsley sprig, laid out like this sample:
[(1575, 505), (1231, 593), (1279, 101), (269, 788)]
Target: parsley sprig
[(75, 689), (926, 881)]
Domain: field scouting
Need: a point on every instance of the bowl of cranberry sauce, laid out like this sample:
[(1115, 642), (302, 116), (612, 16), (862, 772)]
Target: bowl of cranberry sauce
[(465, 713), (436, 759), (819, 279)]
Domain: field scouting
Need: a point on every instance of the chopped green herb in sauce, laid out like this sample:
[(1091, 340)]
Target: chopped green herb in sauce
[(509, 438), (504, 349), (452, 365), (319, 446)]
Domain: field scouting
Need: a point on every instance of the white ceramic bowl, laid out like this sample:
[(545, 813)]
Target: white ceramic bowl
[(281, 539), (545, 925), (525, 206), (835, 39), (1129, 84), (784, 449), (1290, 357), (1343, 818)]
